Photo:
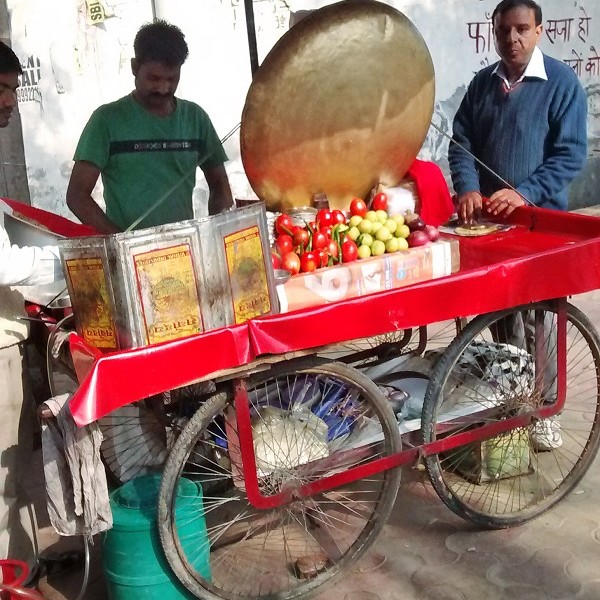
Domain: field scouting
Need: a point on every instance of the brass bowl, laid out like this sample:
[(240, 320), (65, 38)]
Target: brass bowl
[(341, 103)]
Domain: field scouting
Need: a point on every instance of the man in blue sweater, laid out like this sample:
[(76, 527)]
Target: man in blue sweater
[(524, 117)]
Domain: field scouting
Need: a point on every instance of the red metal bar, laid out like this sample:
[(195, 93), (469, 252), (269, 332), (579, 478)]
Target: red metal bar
[(403, 457), (257, 499)]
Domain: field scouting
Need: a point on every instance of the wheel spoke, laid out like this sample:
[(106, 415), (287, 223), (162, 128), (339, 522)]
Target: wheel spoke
[(307, 424), (488, 374)]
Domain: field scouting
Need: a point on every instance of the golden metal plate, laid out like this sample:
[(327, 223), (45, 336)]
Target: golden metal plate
[(341, 103)]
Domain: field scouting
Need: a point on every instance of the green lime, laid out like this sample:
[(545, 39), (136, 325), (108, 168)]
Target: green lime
[(365, 226), (378, 248), (383, 234), (366, 239), (364, 252), (392, 245), (382, 216)]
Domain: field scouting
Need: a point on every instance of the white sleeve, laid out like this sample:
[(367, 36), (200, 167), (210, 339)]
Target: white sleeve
[(27, 265)]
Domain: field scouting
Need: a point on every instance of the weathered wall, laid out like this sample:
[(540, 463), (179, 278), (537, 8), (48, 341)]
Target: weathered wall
[(74, 63), (13, 175)]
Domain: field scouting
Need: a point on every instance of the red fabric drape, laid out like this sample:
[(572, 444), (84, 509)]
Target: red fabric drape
[(436, 202)]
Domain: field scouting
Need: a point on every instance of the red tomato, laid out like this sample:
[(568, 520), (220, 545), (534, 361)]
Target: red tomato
[(296, 229), (319, 240), (349, 251), (284, 224), (322, 258), (290, 262), (327, 231), (358, 207), (284, 244), (324, 218), (301, 238), (275, 261), (308, 262), (379, 202), (338, 217), (332, 249)]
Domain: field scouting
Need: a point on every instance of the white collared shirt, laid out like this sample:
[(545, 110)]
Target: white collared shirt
[(535, 68)]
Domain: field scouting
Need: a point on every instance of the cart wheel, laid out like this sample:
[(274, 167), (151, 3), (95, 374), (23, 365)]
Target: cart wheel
[(367, 352), (490, 369), (304, 411), (136, 437)]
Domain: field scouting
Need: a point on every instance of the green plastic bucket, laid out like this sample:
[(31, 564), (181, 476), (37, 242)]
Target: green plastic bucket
[(134, 563)]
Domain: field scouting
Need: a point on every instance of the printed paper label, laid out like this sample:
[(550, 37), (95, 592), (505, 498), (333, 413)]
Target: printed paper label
[(247, 275), (167, 288), (90, 301)]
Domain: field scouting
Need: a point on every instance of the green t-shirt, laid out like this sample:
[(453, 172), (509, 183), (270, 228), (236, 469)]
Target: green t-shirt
[(143, 158)]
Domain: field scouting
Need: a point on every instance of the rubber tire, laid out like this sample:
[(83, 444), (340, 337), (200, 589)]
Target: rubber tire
[(433, 399), (203, 417)]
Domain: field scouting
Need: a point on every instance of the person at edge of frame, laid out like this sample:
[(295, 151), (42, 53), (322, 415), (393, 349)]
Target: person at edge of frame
[(525, 118), (146, 146), (19, 266)]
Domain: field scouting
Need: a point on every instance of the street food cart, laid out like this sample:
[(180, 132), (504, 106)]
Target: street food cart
[(292, 428), (298, 451)]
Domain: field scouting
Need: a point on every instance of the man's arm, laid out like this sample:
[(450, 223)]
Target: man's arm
[(79, 197), (27, 265), (465, 176), (219, 192)]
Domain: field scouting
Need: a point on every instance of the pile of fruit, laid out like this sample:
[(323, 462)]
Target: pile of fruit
[(335, 238)]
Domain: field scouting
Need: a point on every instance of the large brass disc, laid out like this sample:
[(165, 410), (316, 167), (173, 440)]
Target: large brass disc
[(342, 102)]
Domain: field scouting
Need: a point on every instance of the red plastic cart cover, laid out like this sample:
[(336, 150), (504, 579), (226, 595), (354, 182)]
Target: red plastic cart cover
[(55, 223), (547, 255)]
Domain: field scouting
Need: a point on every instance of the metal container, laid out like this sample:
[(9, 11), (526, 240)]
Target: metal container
[(303, 215), (167, 282), (244, 259), (160, 286), (88, 274)]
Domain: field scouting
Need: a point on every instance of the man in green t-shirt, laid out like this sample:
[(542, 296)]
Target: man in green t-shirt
[(147, 146)]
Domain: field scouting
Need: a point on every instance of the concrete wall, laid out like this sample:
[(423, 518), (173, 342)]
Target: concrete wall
[(13, 175), (74, 63)]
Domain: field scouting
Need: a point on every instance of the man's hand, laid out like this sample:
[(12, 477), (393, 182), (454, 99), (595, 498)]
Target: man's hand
[(469, 206), (219, 192), (504, 202)]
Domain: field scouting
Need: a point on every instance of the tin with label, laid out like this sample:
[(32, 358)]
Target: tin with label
[(162, 283)]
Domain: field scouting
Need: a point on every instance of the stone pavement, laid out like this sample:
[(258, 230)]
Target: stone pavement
[(427, 553)]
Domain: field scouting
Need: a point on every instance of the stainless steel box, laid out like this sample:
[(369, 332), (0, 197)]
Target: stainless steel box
[(152, 285), (88, 275), (240, 239)]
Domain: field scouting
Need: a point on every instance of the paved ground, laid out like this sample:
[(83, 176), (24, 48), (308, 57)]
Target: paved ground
[(427, 553)]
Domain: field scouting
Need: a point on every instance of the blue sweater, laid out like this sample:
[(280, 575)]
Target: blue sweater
[(534, 136)]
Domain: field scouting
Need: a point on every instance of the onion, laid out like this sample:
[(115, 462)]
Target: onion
[(417, 238), (414, 221), (432, 232)]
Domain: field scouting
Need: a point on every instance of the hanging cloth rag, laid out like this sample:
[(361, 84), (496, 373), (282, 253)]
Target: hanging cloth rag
[(76, 487)]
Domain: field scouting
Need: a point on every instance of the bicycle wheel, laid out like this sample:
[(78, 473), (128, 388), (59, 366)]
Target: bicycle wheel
[(487, 375), (367, 352), (309, 421), (139, 436)]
